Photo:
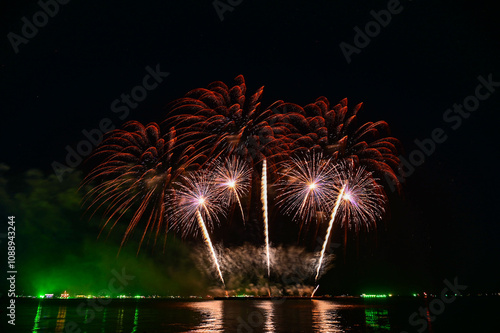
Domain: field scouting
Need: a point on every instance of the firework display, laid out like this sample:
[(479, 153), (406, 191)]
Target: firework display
[(205, 159)]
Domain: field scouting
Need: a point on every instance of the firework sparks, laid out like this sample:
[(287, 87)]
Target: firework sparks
[(364, 199), (264, 212), (233, 178), (328, 232), (305, 186)]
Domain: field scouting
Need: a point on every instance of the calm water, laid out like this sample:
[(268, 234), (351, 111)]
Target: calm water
[(345, 315)]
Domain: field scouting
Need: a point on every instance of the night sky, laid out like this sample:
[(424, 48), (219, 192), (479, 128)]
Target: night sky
[(64, 79)]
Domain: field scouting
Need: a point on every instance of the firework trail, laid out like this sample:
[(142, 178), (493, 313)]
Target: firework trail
[(239, 202), (330, 225), (359, 204), (264, 212), (314, 291), (206, 237), (198, 200)]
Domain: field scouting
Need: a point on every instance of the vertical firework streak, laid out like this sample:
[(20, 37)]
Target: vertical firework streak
[(264, 212), (332, 219), (206, 236)]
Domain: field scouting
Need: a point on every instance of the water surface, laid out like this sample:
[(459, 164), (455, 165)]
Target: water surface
[(338, 315)]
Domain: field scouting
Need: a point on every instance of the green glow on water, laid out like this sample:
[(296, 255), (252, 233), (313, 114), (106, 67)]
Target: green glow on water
[(104, 320), (36, 326), (378, 319), (136, 320)]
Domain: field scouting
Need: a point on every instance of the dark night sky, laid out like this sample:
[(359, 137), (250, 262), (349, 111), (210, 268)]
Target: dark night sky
[(428, 58)]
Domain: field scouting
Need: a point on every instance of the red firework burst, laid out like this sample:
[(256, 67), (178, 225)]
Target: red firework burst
[(317, 126), (136, 166), (223, 120)]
